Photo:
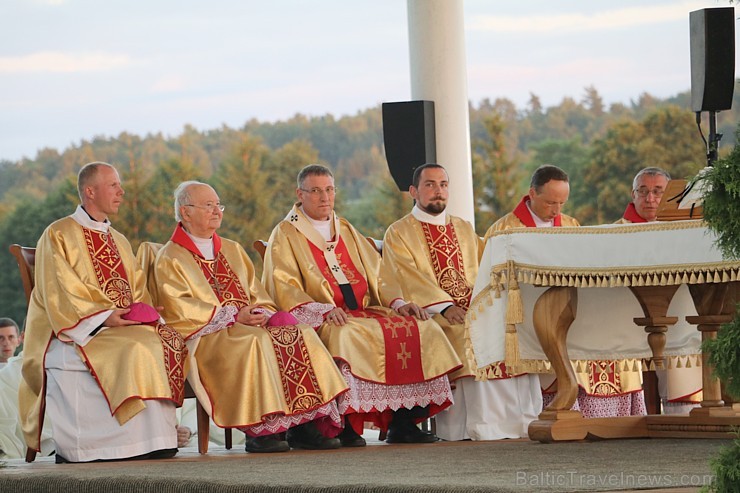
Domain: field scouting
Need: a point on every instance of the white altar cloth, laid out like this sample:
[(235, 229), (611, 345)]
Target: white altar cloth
[(609, 256)]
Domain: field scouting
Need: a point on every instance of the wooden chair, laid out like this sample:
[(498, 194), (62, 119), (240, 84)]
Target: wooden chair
[(25, 257), (377, 244), (261, 247), (146, 255)]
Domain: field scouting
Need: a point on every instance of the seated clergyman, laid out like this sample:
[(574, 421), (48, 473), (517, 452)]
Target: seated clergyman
[(91, 331), (252, 368), (325, 273)]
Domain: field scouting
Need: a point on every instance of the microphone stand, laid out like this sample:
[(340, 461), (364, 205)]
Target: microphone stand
[(714, 138)]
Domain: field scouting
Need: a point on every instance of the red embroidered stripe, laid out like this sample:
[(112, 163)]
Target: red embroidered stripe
[(298, 378), (402, 350), (356, 280), (108, 266), (447, 262), (175, 354)]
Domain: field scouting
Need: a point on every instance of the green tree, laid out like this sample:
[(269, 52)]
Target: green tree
[(282, 167), (666, 137), (24, 226), (721, 207), (147, 213), (379, 208), (242, 182), (497, 180)]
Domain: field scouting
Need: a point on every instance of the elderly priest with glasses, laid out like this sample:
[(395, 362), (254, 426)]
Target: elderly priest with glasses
[(252, 367)]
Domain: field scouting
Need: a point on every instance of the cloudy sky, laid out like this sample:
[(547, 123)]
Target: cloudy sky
[(74, 69)]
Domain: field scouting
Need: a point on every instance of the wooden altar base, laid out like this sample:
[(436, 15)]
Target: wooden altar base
[(572, 426)]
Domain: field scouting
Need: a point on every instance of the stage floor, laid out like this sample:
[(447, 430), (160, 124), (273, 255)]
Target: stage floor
[(661, 465)]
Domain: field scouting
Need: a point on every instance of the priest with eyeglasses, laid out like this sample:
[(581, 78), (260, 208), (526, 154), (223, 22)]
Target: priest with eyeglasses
[(327, 274), (252, 367)]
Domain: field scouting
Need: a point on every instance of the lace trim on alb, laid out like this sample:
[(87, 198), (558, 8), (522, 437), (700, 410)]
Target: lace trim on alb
[(312, 313), (278, 423), (364, 396), (224, 318)]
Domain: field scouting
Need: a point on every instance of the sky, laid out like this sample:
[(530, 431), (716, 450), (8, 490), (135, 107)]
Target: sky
[(75, 69)]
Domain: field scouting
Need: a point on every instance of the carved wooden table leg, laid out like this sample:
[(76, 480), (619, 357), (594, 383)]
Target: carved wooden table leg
[(654, 301), (554, 312), (715, 305)]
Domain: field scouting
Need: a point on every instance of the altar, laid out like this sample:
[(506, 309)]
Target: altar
[(553, 299)]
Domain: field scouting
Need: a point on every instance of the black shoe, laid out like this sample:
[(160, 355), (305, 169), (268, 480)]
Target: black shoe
[(349, 438), (155, 454), (307, 436), (265, 444), (410, 434), (165, 453)]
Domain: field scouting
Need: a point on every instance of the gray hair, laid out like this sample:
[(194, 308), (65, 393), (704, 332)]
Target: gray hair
[(650, 171), (182, 196), (312, 169)]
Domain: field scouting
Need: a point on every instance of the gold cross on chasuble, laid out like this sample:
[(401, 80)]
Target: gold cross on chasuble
[(402, 350)]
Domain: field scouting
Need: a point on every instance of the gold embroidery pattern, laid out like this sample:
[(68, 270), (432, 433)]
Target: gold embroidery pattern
[(447, 262), (108, 267), (118, 291), (603, 378), (403, 356), (348, 272), (224, 281), (175, 355), (300, 385)]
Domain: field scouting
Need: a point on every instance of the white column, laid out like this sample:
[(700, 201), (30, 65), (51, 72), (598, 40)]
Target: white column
[(439, 74)]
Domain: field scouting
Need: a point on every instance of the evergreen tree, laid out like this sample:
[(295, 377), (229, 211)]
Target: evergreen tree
[(497, 180)]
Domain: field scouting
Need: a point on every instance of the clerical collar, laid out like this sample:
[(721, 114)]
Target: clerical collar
[(632, 216), (205, 245), (438, 220), (86, 221), (322, 226), (537, 221)]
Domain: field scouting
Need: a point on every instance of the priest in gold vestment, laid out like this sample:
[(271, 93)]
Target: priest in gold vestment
[(605, 388), (96, 357), (251, 368), (328, 275), (436, 256), (680, 389)]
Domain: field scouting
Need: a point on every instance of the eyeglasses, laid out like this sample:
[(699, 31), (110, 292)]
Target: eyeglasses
[(319, 191), (644, 192), (220, 207)]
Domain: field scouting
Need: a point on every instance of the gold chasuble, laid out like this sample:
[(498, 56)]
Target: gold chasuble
[(304, 273), (436, 265), (81, 272), (599, 378), (260, 379)]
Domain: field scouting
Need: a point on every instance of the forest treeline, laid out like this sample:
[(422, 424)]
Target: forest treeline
[(253, 168)]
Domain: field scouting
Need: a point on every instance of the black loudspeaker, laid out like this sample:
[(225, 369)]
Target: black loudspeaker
[(712, 58), (408, 133)]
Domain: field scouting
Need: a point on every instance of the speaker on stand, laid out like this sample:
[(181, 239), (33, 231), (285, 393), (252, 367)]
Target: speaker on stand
[(712, 67)]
